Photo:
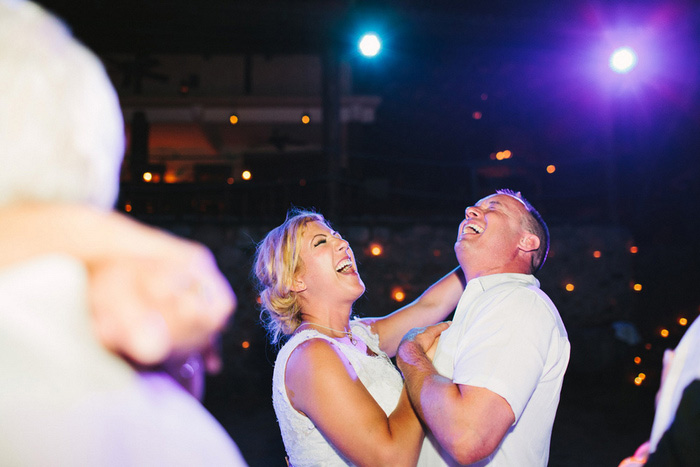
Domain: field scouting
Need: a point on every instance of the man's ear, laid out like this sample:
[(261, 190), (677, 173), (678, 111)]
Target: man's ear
[(529, 242)]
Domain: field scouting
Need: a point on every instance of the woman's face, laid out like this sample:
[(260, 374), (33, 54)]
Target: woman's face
[(328, 266)]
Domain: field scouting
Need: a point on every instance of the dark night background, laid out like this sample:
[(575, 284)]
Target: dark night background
[(626, 150)]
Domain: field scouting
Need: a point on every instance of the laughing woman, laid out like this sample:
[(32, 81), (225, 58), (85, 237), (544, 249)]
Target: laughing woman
[(338, 398)]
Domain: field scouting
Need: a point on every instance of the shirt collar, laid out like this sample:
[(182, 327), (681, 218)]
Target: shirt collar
[(492, 280)]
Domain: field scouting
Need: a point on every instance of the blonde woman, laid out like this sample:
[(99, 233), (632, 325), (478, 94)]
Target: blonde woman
[(338, 398)]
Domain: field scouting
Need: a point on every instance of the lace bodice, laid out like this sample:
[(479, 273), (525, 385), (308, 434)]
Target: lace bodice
[(305, 445)]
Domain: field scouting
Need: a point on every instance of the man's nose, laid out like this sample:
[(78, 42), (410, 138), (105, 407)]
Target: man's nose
[(471, 212)]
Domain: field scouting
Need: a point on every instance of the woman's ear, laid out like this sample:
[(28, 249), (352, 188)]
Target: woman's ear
[(529, 242), (298, 285)]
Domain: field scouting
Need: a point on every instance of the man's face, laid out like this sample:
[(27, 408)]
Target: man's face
[(490, 233)]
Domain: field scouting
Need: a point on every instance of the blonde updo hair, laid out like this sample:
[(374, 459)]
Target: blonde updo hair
[(276, 263)]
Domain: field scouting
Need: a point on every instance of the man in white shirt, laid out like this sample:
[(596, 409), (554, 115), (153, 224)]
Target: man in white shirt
[(490, 394)]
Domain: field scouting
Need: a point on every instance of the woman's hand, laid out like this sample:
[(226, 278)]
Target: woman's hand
[(430, 353), (152, 308), (152, 295), (639, 458)]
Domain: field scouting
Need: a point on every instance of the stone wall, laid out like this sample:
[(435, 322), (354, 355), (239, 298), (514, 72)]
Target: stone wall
[(416, 255)]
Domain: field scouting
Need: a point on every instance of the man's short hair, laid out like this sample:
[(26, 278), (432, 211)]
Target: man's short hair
[(535, 225)]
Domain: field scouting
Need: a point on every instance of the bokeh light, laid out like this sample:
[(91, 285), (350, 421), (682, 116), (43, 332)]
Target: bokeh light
[(623, 60), (370, 45)]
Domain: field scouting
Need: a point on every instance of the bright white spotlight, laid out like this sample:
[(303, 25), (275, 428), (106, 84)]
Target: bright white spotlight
[(370, 45), (623, 60)]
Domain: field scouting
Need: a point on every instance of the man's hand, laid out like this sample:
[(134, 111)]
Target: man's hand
[(419, 342)]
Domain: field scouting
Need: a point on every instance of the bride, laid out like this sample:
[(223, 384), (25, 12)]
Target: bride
[(338, 398)]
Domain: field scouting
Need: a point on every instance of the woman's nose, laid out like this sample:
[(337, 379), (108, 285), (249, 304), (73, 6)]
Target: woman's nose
[(342, 244)]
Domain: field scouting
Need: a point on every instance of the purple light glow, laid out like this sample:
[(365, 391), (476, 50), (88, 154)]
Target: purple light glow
[(623, 60)]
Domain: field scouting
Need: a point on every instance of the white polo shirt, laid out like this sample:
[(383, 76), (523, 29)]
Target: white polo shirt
[(507, 336)]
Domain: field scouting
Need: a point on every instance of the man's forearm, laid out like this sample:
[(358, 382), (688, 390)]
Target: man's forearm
[(436, 400), (417, 370)]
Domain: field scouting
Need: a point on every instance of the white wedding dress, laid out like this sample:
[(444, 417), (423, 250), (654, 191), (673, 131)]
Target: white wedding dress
[(304, 443)]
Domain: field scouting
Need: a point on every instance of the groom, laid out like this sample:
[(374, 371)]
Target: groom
[(491, 392)]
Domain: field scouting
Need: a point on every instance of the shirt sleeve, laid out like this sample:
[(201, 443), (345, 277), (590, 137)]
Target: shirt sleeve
[(506, 346)]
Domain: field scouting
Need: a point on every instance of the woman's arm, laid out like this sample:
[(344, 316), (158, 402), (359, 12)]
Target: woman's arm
[(153, 294), (434, 305), (323, 385)]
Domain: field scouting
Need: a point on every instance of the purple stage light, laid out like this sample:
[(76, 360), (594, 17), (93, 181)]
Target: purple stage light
[(623, 60)]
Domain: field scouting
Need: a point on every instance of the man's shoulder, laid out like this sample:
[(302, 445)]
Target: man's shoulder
[(518, 296)]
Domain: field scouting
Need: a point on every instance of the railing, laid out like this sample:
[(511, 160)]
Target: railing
[(367, 188)]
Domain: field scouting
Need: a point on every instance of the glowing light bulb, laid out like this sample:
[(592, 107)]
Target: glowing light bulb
[(623, 60), (370, 45)]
